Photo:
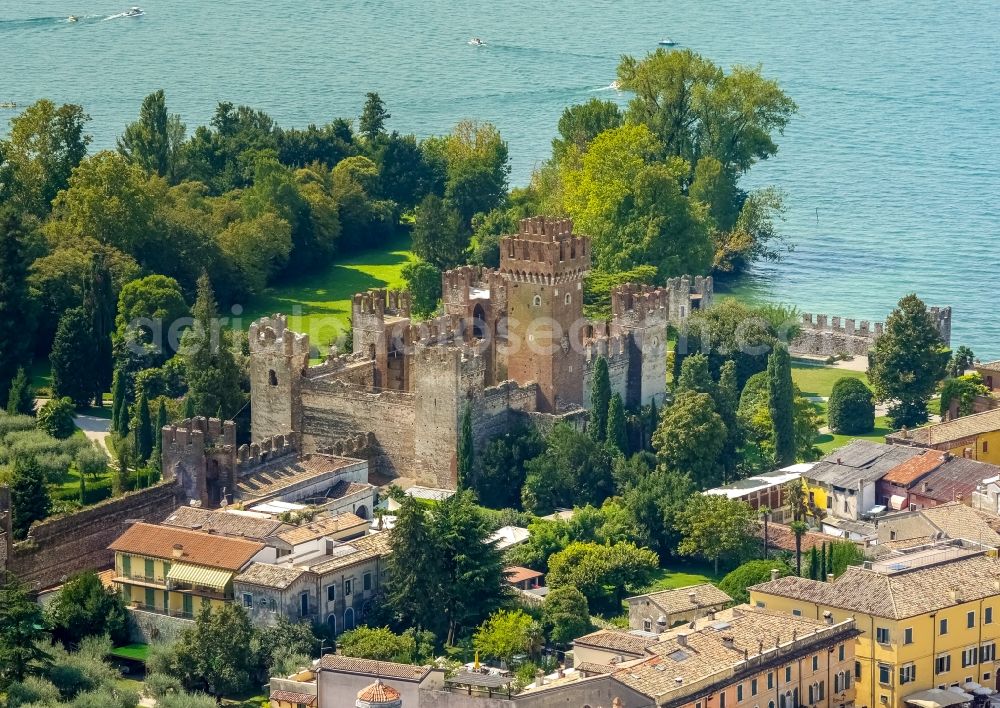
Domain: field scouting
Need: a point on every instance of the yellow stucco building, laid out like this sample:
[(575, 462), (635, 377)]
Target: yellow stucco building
[(176, 572), (928, 619), (976, 436)]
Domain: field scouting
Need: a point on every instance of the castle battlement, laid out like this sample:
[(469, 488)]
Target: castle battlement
[(610, 347), (199, 432), (640, 303), (841, 325), (544, 251), (381, 302), (271, 334), (257, 453)]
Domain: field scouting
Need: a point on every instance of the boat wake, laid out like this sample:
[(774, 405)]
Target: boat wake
[(134, 12)]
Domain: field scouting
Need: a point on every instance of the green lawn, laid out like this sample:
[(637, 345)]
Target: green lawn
[(41, 377), (814, 380), (319, 304), (828, 442), (682, 576), (139, 652)]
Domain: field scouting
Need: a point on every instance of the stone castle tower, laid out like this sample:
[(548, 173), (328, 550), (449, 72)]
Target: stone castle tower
[(544, 265)]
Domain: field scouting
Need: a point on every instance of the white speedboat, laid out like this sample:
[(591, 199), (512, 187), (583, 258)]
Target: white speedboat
[(477, 42), (133, 12), (72, 18), (667, 42), (615, 85)]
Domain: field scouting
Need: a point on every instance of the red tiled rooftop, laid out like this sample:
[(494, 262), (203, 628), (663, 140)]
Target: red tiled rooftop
[(516, 574), (914, 468)]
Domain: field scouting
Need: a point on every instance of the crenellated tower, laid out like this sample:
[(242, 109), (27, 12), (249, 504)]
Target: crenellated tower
[(279, 359), (544, 265)]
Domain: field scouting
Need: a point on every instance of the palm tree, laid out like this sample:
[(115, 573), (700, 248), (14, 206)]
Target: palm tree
[(798, 528), (795, 499)]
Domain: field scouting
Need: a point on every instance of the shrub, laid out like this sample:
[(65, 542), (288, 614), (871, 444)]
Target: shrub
[(852, 407), (91, 461), (15, 423), (735, 583), (32, 690), (56, 417)]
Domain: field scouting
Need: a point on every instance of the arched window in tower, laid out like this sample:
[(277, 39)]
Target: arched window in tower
[(537, 301), (272, 377), (568, 299)]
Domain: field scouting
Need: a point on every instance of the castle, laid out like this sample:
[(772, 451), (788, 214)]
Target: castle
[(828, 336), (510, 344)]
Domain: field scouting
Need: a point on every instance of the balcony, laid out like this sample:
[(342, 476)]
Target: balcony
[(180, 614)]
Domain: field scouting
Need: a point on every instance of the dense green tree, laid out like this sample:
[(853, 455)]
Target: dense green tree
[(814, 564), (382, 644), (423, 280), (598, 286), (465, 454), (907, 362), (154, 141), (781, 404), (215, 655), (654, 500), (799, 529), (119, 407), (189, 410), (757, 425), (695, 376), (715, 187), (727, 397), (851, 408), (72, 358), (716, 528), (222, 155), (574, 469), (108, 199), (143, 427), (373, 117), (150, 306), (56, 417), (365, 220), (44, 144), (15, 306), (501, 469), (690, 438), (600, 399), (736, 582), (326, 145), (444, 572), (438, 234), (404, 175), (581, 123), (506, 633), (85, 608), (29, 496), (475, 164), (961, 360), (20, 397), (22, 631), (212, 373), (547, 537), (99, 303), (604, 574), (617, 432), (565, 615)]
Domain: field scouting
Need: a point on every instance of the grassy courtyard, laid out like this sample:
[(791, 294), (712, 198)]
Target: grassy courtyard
[(818, 380), (319, 304)]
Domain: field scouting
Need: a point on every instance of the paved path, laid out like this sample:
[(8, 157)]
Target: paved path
[(94, 428)]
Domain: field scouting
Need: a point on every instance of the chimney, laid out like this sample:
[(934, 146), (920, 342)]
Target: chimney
[(560, 672), (678, 680), (775, 573), (728, 642), (178, 551), (539, 678), (682, 639), (923, 486), (905, 433), (955, 595), (691, 596), (828, 617), (829, 577), (947, 456)]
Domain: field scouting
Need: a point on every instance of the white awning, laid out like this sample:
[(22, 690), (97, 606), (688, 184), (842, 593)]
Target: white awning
[(938, 698), (897, 502)]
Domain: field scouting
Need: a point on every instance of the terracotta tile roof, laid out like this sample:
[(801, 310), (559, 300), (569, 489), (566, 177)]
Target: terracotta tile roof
[(589, 667), (959, 521), (210, 550), (782, 537), (896, 595), (955, 479), (358, 550), (323, 527), (716, 645), (616, 640), (680, 600), (225, 523), (517, 574), (293, 697), (951, 431), (378, 692), (914, 468), (343, 488), (268, 575), (371, 667)]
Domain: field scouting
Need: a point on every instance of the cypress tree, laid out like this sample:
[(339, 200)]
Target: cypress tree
[(21, 399), (189, 410), (600, 399), (727, 400), (821, 573), (465, 451), (781, 404), (83, 488), (119, 411), (210, 366), (829, 560), (143, 429), (161, 420), (813, 564), (617, 435), (695, 376), (72, 358), (14, 301), (29, 496), (100, 303)]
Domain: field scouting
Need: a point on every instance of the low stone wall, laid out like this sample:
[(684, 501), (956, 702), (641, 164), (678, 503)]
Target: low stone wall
[(60, 547), (149, 627)]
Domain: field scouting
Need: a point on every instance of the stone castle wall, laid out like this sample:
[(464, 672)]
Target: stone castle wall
[(62, 546), (826, 335)]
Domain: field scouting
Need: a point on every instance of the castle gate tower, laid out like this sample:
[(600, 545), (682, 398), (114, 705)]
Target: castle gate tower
[(544, 265)]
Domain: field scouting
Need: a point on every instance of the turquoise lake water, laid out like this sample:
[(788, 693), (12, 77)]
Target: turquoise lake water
[(891, 167)]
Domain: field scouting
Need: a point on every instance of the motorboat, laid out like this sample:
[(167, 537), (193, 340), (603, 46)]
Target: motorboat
[(132, 12), (8, 104), (72, 18), (477, 42), (667, 42), (616, 85)]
